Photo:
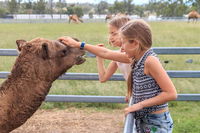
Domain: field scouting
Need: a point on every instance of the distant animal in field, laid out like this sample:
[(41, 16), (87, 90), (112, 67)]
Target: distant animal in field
[(74, 18), (40, 62), (108, 17), (111, 16), (194, 15)]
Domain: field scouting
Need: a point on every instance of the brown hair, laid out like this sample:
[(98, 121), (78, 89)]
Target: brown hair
[(136, 30), (118, 22)]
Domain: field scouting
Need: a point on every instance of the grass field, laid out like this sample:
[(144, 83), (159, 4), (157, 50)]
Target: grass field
[(186, 115)]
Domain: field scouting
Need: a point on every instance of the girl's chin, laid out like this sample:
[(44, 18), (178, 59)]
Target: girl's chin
[(128, 55)]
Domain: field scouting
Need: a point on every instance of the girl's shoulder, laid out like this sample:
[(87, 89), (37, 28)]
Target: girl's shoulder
[(152, 64), (152, 60)]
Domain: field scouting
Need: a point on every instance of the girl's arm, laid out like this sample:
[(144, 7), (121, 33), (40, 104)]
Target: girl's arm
[(105, 74), (99, 51), (155, 70)]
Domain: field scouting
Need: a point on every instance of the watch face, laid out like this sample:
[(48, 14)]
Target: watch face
[(82, 45)]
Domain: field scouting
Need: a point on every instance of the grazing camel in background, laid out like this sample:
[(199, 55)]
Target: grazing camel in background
[(75, 19), (194, 15), (40, 62), (110, 16)]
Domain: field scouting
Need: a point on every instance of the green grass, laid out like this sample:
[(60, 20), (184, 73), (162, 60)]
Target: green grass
[(186, 115)]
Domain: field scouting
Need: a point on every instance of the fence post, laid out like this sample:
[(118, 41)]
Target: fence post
[(129, 125)]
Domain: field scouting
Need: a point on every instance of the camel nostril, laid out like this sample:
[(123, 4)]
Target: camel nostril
[(65, 51)]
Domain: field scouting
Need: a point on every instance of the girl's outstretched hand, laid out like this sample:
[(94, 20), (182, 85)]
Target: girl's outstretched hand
[(69, 41)]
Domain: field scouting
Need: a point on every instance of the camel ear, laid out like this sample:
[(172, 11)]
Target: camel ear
[(45, 51), (20, 44)]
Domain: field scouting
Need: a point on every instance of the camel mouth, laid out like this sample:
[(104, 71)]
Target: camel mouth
[(80, 60)]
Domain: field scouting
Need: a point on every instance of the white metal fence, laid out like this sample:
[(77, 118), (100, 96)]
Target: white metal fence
[(128, 126)]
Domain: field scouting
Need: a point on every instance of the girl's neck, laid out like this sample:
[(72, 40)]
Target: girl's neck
[(141, 53)]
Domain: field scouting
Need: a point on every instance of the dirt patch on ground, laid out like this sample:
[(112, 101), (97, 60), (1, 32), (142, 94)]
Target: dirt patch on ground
[(74, 121)]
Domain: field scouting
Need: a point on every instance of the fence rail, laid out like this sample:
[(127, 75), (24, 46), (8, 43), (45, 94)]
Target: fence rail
[(128, 125), (108, 99), (115, 77), (158, 50)]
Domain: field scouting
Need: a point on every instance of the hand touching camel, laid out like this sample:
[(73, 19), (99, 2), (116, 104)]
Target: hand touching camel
[(69, 41)]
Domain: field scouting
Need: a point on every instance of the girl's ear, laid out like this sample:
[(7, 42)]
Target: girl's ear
[(136, 42)]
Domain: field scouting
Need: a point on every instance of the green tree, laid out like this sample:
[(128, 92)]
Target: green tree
[(2, 12), (75, 10), (78, 11), (128, 6), (60, 5), (167, 8), (111, 10), (195, 5), (102, 7), (40, 7), (28, 6), (70, 10), (119, 7), (51, 8), (124, 6), (139, 10), (12, 7)]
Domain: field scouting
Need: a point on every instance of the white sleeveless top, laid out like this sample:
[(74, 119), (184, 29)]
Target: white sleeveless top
[(124, 68)]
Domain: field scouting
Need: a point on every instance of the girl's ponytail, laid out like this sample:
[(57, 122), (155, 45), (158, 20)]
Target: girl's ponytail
[(130, 81)]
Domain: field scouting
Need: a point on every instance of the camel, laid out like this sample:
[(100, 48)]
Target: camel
[(108, 17), (193, 15), (40, 62), (111, 16), (75, 19)]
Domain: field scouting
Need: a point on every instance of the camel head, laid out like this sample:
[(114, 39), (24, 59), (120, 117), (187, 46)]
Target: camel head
[(48, 58)]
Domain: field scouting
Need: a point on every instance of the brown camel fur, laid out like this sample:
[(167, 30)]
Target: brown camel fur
[(39, 63), (75, 19), (194, 15)]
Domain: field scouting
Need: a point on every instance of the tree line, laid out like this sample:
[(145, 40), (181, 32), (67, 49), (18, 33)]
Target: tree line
[(163, 8)]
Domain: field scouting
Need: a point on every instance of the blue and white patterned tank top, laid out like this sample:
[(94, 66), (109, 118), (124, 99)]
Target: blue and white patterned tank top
[(144, 86)]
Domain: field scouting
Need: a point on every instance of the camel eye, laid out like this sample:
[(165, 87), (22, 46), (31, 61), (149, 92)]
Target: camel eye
[(64, 52), (28, 46)]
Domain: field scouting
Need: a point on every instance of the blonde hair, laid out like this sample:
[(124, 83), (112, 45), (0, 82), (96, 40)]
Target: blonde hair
[(118, 22), (136, 30)]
